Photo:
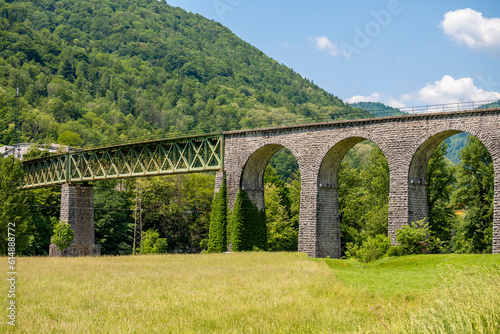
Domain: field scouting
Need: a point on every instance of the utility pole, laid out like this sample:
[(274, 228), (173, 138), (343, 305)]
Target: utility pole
[(138, 209), (17, 148), (135, 221), (135, 228), (140, 219)]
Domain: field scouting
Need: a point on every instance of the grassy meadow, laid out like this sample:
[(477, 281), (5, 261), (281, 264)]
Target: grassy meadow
[(256, 293)]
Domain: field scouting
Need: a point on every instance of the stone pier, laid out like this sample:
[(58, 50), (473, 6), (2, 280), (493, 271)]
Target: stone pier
[(77, 208)]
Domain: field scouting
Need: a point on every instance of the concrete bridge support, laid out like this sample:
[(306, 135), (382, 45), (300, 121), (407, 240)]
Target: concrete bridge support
[(77, 208)]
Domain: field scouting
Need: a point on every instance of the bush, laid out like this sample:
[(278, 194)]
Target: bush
[(397, 250), (152, 243), (370, 250), (63, 234), (412, 239)]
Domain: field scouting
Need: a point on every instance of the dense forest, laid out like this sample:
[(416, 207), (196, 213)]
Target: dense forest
[(97, 72), (115, 70)]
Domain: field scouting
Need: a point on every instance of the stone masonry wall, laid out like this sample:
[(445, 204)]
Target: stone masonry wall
[(77, 208), (407, 143)]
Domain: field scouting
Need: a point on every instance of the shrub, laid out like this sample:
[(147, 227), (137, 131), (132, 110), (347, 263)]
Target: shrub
[(370, 250), (397, 250), (63, 234), (152, 243), (412, 239)]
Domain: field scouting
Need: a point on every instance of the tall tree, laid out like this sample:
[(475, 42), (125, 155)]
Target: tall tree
[(281, 232), (179, 208), (440, 181), (475, 194), (376, 176), (363, 195), (44, 206), (113, 219), (241, 236), (15, 229)]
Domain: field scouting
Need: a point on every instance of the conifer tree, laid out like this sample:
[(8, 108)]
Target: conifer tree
[(217, 242)]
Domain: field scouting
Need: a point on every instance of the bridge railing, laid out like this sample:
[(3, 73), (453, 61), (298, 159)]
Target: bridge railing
[(447, 107)]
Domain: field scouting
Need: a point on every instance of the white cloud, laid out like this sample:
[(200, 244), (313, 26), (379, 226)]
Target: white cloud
[(450, 90), (324, 44), (446, 90), (377, 97), (374, 97), (395, 103), (470, 28)]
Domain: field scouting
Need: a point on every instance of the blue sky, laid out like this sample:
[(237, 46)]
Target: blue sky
[(399, 52)]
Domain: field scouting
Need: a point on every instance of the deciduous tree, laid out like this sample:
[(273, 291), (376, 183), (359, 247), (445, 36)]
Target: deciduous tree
[(475, 194)]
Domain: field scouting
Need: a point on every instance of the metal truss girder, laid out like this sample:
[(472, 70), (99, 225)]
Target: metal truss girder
[(161, 157)]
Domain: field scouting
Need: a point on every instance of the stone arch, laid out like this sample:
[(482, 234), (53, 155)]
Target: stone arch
[(417, 184), (327, 204), (252, 175), (417, 192)]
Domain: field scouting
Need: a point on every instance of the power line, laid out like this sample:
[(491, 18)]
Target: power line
[(18, 127), (57, 207), (138, 207)]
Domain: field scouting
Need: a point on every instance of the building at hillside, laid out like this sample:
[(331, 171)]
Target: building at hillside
[(19, 150)]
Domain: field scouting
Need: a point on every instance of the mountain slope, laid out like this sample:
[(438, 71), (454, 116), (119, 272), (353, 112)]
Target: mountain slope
[(115, 70), (377, 109)]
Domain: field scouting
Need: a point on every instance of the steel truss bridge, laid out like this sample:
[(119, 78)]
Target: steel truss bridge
[(203, 153)]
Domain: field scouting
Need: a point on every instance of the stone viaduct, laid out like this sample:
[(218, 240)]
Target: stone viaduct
[(406, 141)]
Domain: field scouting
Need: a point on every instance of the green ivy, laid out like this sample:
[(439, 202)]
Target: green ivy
[(218, 222), (249, 225)]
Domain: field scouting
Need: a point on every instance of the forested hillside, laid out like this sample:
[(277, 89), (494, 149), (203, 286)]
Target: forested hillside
[(377, 109), (110, 70)]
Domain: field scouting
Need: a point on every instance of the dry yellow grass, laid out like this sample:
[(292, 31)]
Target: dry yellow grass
[(230, 293), (208, 293)]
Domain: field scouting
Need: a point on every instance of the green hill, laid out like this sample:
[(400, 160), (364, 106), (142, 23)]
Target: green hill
[(377, 109), (490, 105), (116, 70)]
